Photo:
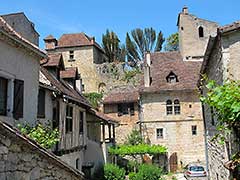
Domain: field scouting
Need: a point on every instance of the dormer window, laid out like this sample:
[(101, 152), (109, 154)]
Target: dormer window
[(200, 32), (172, 78), (71, 55)]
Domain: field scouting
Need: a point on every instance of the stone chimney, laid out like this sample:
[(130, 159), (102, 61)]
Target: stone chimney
[(185, 10), (147, 64), (50, 42), (93, 40)]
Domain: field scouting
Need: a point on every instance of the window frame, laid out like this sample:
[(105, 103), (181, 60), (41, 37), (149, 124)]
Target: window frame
[(159, 133), (177, 107), (169, 107), (43, 98), (71, 55), (125, 109), (5, 94), (69, 119), (81, 122), (194, 130), (200, 32)]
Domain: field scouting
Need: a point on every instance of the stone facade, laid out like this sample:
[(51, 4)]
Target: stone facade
[(220, 64), (22, 159), (176, 129), (192, 45), (21, 24)]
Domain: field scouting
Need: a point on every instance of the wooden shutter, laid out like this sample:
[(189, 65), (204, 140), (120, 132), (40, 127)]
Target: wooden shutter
[(41, 103), (18, 99)]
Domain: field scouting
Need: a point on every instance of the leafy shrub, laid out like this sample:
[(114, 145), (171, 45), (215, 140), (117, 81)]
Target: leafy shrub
[(94, 98), (134, 138), (113, 172), (44, 135), (147, 172)]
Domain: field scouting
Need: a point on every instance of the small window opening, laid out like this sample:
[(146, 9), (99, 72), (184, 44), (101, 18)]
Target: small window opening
[(172, 78), (169, 107), (71, 55), (159, 133), (194, 130), (200, 31)]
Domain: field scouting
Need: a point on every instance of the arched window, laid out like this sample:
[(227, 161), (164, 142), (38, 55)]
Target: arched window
[(177, 106), (172, 78), (200, 31), (169, 107)]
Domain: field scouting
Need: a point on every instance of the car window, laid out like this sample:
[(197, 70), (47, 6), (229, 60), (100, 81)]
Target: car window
[(196, 168)]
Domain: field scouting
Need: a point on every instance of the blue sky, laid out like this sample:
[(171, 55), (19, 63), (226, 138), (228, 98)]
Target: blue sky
[(94, 16)]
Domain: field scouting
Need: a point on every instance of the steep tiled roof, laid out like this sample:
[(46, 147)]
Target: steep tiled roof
[(103, 116), (163, 64), (53, 60), (6, 28), (230, 27), (122, 95), (77, 39), (62, 87), (70, 72), (9, 130)]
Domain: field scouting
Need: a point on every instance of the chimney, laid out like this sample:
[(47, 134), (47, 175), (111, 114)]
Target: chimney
[(50, 42), (185, 10), (93, 40), (147, 79)]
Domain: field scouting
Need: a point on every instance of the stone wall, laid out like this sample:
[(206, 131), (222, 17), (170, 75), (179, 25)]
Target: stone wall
[(22, 159), (177, 129), (127, 122), (223, 64), (190, 43)]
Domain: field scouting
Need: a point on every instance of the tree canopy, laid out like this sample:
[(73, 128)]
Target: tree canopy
[(112, 47), (172, 43), (140, 41)]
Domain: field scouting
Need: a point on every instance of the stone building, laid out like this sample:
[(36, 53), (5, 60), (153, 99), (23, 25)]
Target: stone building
[(19, 72), (122, 105), (22, 158), (23, 26), (170, 112), (221, 63), (193, 35), (81, 51)]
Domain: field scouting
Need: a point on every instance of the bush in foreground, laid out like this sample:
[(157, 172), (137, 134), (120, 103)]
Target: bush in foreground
[(113, 172)]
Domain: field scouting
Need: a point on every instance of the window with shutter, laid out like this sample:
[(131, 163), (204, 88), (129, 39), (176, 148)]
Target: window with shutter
[(41, 103), (3, 96), (18, 99)]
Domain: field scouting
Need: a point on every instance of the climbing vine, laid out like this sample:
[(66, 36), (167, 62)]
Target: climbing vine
[(94, 98)]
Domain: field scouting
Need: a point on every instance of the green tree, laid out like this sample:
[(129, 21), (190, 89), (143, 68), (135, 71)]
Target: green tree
[(172, 43), (112, 47), (134, 138), (140, 41)]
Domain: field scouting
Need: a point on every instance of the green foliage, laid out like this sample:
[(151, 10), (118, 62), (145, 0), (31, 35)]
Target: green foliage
[(134, 138), (129, 75), (44, 135), (147, 172), (123, 150), (172, 43), (141, 41), (112, 47), (94, 98), (225, 100), (113, 172)]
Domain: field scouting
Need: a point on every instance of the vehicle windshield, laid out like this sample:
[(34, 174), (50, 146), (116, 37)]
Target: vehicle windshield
[(196, 168)]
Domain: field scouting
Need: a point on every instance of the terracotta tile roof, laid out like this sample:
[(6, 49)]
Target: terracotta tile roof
[(230, 27), (6, 28), (63, 88), (53, 60), (103, 116), (9, 130), (163, 64), (70, 72), (77, 39), (122, 95)]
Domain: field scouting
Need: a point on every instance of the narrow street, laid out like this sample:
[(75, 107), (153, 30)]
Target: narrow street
[(180, 176)]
